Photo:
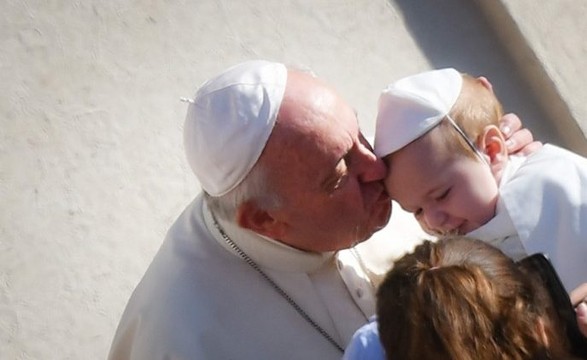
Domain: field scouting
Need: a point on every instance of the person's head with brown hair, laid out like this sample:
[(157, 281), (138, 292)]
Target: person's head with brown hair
[(460, 298)]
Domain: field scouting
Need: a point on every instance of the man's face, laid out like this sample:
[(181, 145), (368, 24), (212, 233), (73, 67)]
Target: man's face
[(325, 171), (447, 192)]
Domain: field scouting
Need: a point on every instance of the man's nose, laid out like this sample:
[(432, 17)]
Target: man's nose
[(371, 168)]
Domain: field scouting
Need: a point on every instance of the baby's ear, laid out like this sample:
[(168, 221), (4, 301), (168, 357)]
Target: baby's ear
[(483, 80), (492, 144)]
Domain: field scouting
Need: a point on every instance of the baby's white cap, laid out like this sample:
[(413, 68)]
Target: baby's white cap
[(229, 122), (410, 107)]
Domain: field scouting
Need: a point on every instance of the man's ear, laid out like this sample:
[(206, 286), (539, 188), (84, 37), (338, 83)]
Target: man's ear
[(492, 144), (250, 216)]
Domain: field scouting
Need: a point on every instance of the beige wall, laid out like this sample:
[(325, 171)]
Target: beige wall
[(547, 45), (92, 171)]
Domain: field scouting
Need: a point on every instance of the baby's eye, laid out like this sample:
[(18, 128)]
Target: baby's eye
[(443, 195)]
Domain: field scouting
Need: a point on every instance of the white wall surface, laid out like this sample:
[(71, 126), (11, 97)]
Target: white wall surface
[(547, 44), (92, 170), (557, 33)]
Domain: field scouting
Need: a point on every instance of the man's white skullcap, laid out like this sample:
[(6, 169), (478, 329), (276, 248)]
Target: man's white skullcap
[(412, 106), (229, 122)]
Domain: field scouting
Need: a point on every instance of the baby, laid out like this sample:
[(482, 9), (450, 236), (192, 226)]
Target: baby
[(438, 133)]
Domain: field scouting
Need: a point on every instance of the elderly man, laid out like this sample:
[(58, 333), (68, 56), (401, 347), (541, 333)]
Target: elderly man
[(261, 265)]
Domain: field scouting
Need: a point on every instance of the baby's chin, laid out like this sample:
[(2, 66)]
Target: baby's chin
[(444, 233)]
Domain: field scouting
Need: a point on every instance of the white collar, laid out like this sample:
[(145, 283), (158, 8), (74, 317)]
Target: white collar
[(266, 252), (499, 227), (513, 164)]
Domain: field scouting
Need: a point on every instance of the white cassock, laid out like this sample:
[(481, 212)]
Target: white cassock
[(543, 208), (200, 300)]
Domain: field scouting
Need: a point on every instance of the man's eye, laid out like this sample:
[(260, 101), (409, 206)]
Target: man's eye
[(418, 213), (340, 182)]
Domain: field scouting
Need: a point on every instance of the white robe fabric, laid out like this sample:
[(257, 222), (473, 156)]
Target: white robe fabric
[(543, 208), (200, 300)]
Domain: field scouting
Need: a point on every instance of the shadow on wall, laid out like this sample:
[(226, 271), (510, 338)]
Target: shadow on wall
[(455, 33)]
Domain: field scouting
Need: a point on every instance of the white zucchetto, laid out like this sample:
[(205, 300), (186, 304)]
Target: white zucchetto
[(229, 122), (412, 106)]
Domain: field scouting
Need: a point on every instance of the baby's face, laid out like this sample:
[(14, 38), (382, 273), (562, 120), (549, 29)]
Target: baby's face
[(448, 193)]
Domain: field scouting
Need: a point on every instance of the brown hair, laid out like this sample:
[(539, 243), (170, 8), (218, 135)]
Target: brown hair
[(476, 108), (461, 298)]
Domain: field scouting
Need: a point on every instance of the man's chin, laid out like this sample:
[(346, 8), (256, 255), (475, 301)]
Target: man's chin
[(381, 217)]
